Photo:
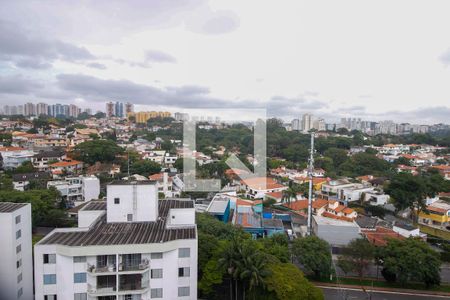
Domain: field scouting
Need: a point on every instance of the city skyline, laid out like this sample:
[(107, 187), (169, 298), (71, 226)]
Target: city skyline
[(332, 71)]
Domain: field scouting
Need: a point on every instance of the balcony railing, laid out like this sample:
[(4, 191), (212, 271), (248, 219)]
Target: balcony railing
[(101, 290), (133, 286), (94, 269), (143, 265)]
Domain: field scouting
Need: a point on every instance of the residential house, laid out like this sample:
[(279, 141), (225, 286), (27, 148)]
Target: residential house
[(15, 156), (77, 190), (22, 181), (66, 166), (258, 187), (43, 158), (336, 232)]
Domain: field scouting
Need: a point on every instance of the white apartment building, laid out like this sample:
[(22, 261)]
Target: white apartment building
[(15, 156), (77, 190), (16, 271), (131, 246)]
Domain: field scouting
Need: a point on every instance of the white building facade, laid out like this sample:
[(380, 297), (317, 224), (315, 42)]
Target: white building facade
[(77, 190), (16, 271), (130, 247)]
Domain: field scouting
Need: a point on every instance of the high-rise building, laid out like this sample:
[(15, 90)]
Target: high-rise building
[(131, 246), (88, 111), (16, 272), (129, 108), (56, 110), (110, 111), (20, 110), (119, 110), (41, 109), (295, 124), (73, 111), (307, 122), (29, 109), (181, 116)]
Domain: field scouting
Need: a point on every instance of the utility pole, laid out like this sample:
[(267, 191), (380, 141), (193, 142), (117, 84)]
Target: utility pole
[(310, 174)]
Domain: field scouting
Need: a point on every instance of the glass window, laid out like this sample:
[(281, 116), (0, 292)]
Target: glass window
[(19, 278), (19, 263), (116, 200), (157, 273), (49, 258), (183, 291), (80, 296), (184, 272), (18, 219), (79, 259), (19, 293), (50, 279), (79, 277), (18, 234), (49, 297), (156, 255), (184, 252), (129, 217), (156, 293), (18, 248)]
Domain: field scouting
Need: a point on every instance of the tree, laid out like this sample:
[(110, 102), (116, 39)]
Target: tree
[(338, 156), (277, 246), (407, 190), (410, 260), (362, 164), (100, 115), (286, 281), (25, 167), (314, 254), (97, 151), (144, 167), (357, 257), (43, 205)]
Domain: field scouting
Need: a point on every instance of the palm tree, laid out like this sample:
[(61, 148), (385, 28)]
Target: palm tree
[(229, 262)]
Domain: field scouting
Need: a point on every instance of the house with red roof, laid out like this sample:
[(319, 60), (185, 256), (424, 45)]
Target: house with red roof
[(258, 187)]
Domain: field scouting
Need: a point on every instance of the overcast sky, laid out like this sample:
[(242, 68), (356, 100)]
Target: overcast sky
[(371, 59)]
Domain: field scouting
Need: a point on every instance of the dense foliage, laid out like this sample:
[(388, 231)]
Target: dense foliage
[(233, 263), (410, 260), (97, 151)]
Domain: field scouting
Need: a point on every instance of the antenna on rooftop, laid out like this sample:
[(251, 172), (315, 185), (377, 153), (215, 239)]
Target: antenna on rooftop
[(128, 163), (310, 175)]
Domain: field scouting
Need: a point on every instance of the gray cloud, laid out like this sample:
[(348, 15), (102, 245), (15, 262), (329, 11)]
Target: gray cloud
[(294, 107), (28, 50), (213, 22), (30, 63), (95, 65), (18, 85), (113, 19), (445, 57), (159, 57)]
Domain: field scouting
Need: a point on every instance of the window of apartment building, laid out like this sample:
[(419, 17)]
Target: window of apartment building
[(183, 291), (18, 219), (19, 293), (50, 297), (184, 272), (80, 296), (79, 259), (18, 248), (50, 279), (19, 278), (18, 234), (18, 263), (79, 277), (156, 255), (157, 273), (116, 200), (129, 217), (156, 293), (49, 258), (184, 252)]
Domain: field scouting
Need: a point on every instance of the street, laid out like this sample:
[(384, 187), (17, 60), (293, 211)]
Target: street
[(335, 293)]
